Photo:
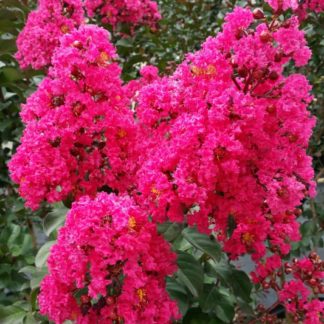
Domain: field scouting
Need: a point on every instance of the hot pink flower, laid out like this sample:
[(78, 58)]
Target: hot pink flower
[(213, 135), (136, 12), (109, 263), (301, 8), (79, 131), (314, 312), (39, 38)]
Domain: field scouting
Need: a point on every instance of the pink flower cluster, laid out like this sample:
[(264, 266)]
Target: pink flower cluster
[(54, 18), (134, 12), (301, 8), (226, 137), (222, 139), (300, 294), (44, 27), (109, 264), (79, 132), (220, 144)]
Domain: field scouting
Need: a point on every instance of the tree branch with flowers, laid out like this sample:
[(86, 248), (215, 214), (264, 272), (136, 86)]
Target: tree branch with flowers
[(170, 178)]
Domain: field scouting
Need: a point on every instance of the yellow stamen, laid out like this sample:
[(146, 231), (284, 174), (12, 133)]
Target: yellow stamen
[(103, 59), (141, 293), (211, 70), (248, 238), (121, 133), (197, 71), (156, 193), (132, 223), (74, 316), (65, 29)]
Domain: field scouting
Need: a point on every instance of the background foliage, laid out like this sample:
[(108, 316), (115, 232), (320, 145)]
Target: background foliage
[(208, 288)]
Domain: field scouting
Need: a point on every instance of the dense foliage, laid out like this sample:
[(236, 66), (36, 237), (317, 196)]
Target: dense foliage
[(171, 179)]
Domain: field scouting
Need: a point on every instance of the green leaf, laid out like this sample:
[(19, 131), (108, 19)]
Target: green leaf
[(54, 219), (196, 316), (241, 284), (30, 319), (38, 277), (16, 229), (218, 301), (12, 314), (190, 273), (170, 231), (27, 270), (15, 4), (33, 299), (237, 280), (10, 74), (35, 275), (42, 255), (307, 228), (179, 293), (231, 225), (202, 242), (124, 42)]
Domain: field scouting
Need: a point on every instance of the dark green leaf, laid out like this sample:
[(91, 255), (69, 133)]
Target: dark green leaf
[(170, 231), (307, 228), (179, 293), (202, 242), (235, 279), (12, 314), (55, 218), (196, 316), (42, 255), (190, 273), (218, 301)]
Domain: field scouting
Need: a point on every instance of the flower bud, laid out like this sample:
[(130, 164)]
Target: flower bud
[(321, 289), (233, 63), (312, 282), (77, 44), (273, 75), (278, 56), (242, 71), (265, 285), (316, 290), (297, 212), (110, 300), (239, 34), (257, 74), (266, 36), (85, 299), (258, 13), (285, 24), (313, 255), (271, 109)]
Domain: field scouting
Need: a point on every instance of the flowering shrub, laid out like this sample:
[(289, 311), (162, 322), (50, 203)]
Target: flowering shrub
[(297, 294), (301, 8), (221, 126), (54, 18), (44, 27), (79, 132), (110, 253), (219, 145), (124, 11)]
